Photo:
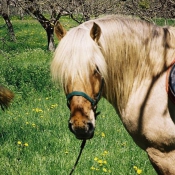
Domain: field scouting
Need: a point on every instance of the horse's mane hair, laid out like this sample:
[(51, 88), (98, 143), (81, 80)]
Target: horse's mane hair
[(76, 56), (129, 50)]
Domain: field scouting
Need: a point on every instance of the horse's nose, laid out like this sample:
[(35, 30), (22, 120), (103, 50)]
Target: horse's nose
[(90, 127), (83, 131)]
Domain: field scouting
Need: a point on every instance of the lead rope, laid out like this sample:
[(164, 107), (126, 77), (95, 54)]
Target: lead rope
[(82, 146)]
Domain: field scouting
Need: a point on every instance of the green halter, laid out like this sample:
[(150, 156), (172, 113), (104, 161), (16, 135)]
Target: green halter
[(79, 93)]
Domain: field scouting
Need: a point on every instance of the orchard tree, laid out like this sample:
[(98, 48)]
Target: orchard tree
[(4, 12), (78, 10), (149, 9), (37, 9), (47, 12)]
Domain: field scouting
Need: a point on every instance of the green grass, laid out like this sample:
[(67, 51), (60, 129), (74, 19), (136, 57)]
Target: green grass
[(34, 134)]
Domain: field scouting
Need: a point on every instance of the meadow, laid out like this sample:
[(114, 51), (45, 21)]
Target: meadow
[(34, 134)]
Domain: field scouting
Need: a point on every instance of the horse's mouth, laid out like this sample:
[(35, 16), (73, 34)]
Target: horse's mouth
[(84, 137)]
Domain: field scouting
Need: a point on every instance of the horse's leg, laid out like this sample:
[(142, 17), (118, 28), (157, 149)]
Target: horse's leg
[(163, 162)]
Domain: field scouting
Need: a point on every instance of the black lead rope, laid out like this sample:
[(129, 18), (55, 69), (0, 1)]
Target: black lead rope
[(82, 146)]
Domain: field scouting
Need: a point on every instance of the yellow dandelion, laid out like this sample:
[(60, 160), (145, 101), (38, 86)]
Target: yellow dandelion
[(103, 134), (135, 168), (66, 152), (27, 123), (53, 106), (100, 161), (33, 125), (19, 142), (105, 170), (26, 144), (92, 168), (139, 171), (105, 162), (95, 158), (37, 110), (104, 153)]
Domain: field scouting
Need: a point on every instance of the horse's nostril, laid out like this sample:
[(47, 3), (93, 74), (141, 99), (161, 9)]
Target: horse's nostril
[(70, 126), (90, 127)]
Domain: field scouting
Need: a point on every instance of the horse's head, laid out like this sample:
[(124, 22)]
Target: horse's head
[(82, 99), (83, 89)]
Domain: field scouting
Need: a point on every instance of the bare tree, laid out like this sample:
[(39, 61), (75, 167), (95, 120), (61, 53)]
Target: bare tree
[(83, 10), (149, 9), (36, 9), (5, 15), (78, 10)]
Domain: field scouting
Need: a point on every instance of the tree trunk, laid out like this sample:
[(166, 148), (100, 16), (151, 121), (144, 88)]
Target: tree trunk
[(48, 26), (4, 6), (50, 37)]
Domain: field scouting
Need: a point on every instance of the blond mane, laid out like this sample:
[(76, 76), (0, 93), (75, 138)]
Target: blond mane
[(76, 56), (129, 51)]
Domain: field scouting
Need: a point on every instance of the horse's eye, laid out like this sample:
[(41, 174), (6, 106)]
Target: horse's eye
[(96, 71)]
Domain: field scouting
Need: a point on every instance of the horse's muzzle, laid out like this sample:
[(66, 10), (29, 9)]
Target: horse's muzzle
[(83, 132)]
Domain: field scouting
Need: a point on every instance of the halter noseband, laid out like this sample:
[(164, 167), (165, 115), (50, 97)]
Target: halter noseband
[(79, 93)]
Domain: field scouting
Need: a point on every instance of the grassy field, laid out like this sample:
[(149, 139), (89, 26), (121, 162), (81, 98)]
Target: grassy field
[(34, 136)]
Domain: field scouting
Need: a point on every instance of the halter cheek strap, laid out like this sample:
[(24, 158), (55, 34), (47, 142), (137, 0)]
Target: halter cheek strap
[(79, 93)]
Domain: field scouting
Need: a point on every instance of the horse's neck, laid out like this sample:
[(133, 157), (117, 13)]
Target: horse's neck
[(124, 85)]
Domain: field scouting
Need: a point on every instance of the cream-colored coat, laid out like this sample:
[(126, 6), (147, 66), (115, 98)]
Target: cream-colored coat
[(133, 58)]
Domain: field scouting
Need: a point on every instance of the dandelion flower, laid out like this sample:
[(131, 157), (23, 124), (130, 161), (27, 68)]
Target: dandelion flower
[(105, 152), (33, 124), (100, 161), (135, 168), (105, 170), (53, 106), (103, 134), (95, 158), (19, 142), (105, 162), (92, 168), (139, 171), (37, 110), (26, 144)]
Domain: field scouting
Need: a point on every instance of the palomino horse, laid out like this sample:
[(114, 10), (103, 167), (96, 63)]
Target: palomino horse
[(127, 61), (5, 97)]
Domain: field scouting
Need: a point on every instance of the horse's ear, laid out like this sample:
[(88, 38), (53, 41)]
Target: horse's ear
[(95, 32), (59, 30)]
